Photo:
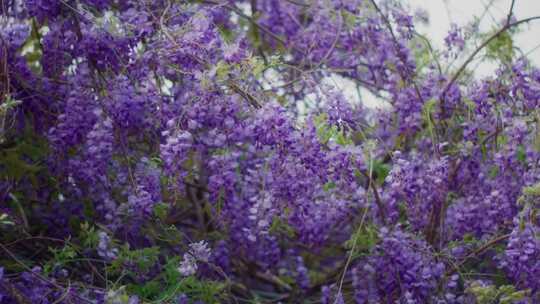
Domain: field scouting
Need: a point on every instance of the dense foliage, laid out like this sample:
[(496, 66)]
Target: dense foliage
[(199, 152)]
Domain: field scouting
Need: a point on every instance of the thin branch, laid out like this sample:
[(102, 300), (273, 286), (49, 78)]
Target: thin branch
[(350, 257), (270, 278), (66, 242), (378, 200), (487, 10), (396, 46), (510, 12), (491, 135), (263, 28), (473, 55), (39, 276), (431, 50), (479, 250), (246, 95), (14, 292), (298, 3), (331, 49)]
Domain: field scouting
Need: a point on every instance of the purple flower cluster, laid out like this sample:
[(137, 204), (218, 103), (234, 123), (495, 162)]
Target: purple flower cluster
[(521, 259), (401, 269), (165, 123), (197, 252), (105, 249)]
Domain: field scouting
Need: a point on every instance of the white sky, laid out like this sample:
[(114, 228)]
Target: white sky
[(442, 13)]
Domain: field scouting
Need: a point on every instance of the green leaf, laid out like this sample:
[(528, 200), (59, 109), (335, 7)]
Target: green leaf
[(521, 155), (513, 296), (279, 226), (9, 103), (363, 240), (381, 170), (501, 47), (222, 70), (226, 34), (326, 132), (161, 210), (4, 220), (493, 172), (532, 190), (427, 112), (329, 186)]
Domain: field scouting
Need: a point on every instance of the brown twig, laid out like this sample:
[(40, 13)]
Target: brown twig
[(510, 12), (270, 278), (39, 276), (396, 46), (15, 293), (263, 28), (473, 55), (478, 251), (378, 200), (298, 3), (56, 240), (246, 95)]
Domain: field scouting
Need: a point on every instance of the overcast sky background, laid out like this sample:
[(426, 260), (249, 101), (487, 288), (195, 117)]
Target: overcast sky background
[(442, 13)]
